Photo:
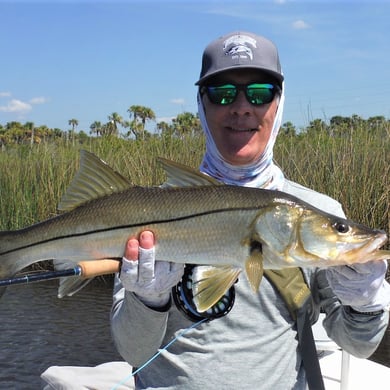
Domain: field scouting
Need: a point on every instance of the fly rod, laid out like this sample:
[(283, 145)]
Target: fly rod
[(84, 269)]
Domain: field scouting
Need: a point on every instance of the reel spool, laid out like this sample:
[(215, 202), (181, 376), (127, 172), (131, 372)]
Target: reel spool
[(184, 299)]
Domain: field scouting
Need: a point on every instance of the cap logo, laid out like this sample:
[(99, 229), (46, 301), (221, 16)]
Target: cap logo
[(239, 46)]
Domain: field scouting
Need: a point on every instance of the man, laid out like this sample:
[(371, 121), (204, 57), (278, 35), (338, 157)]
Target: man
[(240, 99)]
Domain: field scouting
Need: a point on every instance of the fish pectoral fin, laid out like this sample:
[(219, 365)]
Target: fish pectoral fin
[(254, 269), (70, 285), (209, 284)]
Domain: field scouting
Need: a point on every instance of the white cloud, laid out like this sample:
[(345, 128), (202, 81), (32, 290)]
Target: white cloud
[(16, 105), (19, 106), (179, 101), (38, 100), (166, 119), (300, 25)]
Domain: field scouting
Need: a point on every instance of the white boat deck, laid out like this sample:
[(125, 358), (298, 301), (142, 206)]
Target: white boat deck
[(361, 374), (342, 371)]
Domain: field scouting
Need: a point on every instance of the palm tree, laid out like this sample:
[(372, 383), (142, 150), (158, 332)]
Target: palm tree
[(96, 128), (186, 123), (288, 129), (43, 132), (29, 126), (15, 131), (115, 118), (74, 123), (164, 127), (140, 115)]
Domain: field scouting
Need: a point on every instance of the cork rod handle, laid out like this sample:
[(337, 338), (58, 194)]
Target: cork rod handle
[(90, 269)]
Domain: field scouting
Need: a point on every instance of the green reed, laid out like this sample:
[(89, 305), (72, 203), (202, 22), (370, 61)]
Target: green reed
[(353, 168)]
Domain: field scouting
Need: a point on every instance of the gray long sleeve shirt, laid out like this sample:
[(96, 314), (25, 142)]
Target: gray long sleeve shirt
[(253, 347)]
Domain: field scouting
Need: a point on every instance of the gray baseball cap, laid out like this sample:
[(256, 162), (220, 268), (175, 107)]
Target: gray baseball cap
[(238, 50)]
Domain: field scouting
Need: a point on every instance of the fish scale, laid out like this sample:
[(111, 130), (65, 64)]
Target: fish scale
[(165, 211)]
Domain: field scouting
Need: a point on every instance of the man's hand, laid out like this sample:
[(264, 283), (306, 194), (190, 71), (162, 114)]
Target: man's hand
[(150, 280), (361, 286)]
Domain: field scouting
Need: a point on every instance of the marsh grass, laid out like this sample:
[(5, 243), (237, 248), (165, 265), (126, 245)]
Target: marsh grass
[(353, 168)]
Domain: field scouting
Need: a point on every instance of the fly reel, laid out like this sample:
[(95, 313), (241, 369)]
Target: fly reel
[(184, 299)]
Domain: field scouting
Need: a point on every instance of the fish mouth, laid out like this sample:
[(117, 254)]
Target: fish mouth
[(378, 241), (372, 251)]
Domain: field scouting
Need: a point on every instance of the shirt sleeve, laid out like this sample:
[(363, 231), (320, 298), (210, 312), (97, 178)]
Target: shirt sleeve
[(137, 330), (358, 334)]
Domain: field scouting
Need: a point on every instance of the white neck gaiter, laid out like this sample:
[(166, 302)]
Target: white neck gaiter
[(262, 173)]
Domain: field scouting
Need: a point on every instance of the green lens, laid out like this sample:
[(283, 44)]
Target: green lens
[(260, 93), (256, 93), (223, 94)]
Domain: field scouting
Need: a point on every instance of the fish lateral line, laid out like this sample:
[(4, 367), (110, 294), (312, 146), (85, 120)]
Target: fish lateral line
[(115, 228)]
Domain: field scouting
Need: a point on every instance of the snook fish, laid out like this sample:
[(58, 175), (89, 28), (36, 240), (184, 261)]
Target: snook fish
[(195, 220)]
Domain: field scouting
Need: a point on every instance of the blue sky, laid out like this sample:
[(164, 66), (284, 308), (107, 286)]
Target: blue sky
[(87, 59)]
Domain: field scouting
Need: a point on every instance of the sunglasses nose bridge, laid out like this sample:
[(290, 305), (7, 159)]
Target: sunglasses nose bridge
[(241, 103), (242, 94), (241, 88)]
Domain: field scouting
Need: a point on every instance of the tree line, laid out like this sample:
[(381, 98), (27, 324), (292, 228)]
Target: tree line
[(185, 123)]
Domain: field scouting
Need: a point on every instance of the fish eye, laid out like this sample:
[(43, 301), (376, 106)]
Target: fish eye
[(341, 227)]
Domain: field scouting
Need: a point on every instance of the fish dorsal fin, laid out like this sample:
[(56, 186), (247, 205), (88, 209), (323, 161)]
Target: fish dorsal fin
[(93, 180), (179, 175)]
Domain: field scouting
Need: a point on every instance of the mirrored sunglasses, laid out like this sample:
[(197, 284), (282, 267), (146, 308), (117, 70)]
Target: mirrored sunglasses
[(255, 93)]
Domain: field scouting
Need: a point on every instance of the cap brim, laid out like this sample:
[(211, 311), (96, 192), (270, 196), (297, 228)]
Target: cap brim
[(279, 77)]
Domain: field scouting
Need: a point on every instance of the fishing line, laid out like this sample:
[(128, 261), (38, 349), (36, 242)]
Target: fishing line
[(158, 353), (184, 300)]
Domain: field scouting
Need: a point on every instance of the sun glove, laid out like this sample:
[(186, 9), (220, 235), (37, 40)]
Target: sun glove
[(361, 286), (151, 281)]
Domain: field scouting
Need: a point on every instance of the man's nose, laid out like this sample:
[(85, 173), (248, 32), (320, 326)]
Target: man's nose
[(241, 106)]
